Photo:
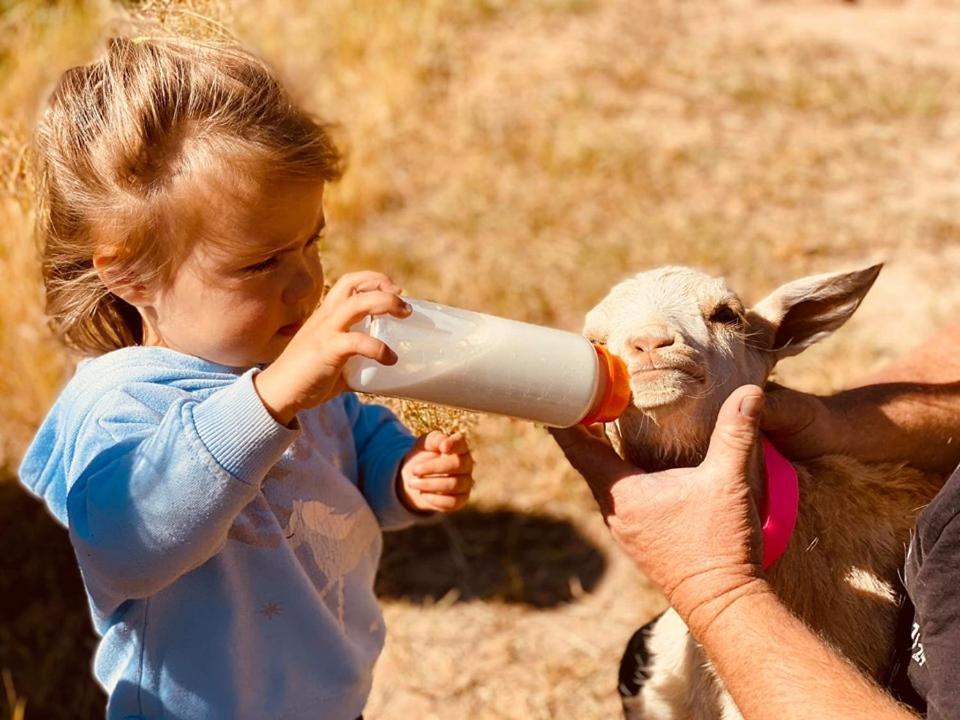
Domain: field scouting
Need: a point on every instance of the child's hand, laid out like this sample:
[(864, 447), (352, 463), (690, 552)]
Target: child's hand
[(309, 370), (437, 473)]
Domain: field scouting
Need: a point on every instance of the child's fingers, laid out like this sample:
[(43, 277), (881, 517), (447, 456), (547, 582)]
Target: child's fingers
[(433, 441), (444, 465), (444, 503), (445, 485), (376, 302), (346, 345), (363, 281), (340, 386), (456, 443)]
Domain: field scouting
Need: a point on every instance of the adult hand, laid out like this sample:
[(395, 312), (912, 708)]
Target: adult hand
[(801, 425), (694, 531)]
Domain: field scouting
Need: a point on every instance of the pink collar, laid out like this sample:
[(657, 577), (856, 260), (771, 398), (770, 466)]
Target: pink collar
[(778, 513)]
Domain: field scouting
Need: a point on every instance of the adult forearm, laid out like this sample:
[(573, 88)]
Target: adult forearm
[(917, 423), (936, 360), (777, 669), (909, 410)]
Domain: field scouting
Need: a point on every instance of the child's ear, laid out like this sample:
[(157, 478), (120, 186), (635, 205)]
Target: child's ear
[(119, 281), (796, 315)]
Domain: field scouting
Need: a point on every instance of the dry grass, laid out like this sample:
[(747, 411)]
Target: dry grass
[(519, 158)]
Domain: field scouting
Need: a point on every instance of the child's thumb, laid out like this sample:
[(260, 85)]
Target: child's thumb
[(736, 431)]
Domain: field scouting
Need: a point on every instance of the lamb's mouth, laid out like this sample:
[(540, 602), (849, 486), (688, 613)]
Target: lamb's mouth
[(651, 373), (658, 386)]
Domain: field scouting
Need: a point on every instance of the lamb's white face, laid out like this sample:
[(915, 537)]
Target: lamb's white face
[(684, 338), (688, 342)]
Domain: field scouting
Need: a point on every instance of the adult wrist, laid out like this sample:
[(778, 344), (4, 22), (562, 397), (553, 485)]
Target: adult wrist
[(707, 618)]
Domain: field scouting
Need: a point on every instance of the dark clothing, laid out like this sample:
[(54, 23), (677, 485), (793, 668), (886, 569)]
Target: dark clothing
[(928, 657)]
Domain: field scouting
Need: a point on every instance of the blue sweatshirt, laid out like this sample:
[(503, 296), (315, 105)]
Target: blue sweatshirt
[(228, 560)]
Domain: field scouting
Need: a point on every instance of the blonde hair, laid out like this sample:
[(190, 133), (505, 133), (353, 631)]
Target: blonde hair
[(122, 144)]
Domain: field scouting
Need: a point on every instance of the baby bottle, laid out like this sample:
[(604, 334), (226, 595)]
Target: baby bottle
[(455, 357)]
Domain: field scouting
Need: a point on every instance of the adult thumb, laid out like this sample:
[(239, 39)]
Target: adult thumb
[(736, 430)]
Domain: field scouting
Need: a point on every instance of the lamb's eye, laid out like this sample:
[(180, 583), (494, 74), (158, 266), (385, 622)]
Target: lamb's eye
[(725, 315)]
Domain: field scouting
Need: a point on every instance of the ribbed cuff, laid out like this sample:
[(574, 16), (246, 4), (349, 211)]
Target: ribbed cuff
[(240, 433)]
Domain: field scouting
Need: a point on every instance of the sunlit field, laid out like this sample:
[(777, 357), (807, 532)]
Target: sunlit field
[(519, 158)]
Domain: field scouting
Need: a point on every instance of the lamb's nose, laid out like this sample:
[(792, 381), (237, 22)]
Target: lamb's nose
[(651, 339)]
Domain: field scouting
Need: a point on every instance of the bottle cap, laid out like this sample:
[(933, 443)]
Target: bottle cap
[(616, 393)]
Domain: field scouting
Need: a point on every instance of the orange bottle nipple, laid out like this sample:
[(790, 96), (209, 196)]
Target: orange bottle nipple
[(614, 394)]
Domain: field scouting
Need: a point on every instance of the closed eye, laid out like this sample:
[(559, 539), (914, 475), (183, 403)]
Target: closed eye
[(314, 240), (271, 261), (261, 266)]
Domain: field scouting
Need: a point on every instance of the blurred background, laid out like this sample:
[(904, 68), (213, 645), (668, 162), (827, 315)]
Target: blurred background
[(519, 158)]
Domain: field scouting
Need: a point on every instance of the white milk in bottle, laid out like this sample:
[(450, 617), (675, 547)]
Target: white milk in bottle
[(455, 357)]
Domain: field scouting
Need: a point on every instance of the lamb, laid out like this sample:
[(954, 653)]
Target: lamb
[(688, 341)]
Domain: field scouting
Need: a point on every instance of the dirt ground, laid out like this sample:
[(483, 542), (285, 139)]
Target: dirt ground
[(519, 159)]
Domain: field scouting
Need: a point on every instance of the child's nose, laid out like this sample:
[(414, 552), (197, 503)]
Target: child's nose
[(302, 283)]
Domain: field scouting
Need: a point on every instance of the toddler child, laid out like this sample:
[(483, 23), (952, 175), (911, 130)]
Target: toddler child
[(223, 494)]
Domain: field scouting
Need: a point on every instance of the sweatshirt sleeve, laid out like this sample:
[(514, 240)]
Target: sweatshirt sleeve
[(381, 441), (158, 499)]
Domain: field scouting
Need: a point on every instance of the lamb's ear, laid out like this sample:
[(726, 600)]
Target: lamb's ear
[(803, 312)]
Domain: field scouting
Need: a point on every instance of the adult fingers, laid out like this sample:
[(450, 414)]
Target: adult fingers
[(735, 433), (794, 421), (598, 430), (785, 410), (595, 460)]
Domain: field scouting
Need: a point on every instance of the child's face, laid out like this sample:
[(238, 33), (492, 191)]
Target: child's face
[(242, 308)]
